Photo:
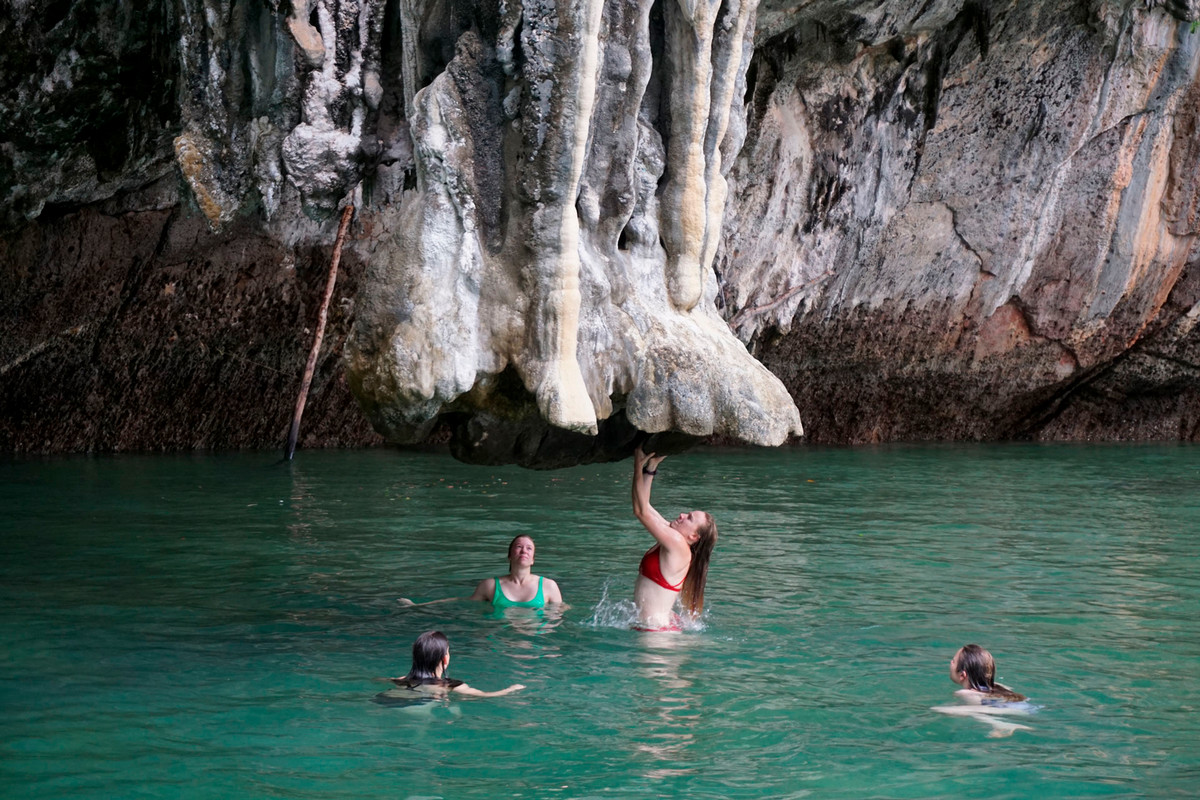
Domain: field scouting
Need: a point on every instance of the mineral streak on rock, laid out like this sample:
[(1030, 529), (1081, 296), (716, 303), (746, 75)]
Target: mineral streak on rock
[(707, 46), (507, 159)]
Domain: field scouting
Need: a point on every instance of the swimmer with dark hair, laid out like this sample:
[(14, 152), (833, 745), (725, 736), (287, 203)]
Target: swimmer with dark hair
[(974, 669), (520, 588), (676, 567), (431, 657)]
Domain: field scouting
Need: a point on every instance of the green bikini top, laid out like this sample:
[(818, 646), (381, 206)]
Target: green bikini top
[(500, 599)]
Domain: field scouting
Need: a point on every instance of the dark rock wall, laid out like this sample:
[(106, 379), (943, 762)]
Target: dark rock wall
[(89, 101), (145, 331), (126, 321)]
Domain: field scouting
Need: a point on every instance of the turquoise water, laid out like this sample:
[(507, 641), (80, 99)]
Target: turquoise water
[(213, 626)]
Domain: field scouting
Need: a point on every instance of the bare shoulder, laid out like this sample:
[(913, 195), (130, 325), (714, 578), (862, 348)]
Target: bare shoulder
[(486, 590), (551, 591)]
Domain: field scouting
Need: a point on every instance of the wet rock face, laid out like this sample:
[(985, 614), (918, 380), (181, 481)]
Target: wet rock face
[(542, 190), (144, 302), (931, 219), (973, 220), (88, 107), (144, 331)]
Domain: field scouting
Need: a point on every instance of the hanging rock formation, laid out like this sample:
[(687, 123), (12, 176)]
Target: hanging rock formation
[(932, 219), (569, 163)]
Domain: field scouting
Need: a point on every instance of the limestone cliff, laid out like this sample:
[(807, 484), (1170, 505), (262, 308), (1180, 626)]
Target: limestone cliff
[(935, 219), (973, 219)]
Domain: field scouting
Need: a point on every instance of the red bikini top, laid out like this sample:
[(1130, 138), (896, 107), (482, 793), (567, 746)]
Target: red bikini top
[(652, 569)]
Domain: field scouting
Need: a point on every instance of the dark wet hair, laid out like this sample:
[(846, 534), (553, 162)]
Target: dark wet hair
[(981, 672), (692, 593), (519, 536), (429, 650)]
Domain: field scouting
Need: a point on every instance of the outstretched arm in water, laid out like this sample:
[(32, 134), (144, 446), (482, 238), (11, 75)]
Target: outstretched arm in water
[(989, 715), (462, 688), (483, 592)]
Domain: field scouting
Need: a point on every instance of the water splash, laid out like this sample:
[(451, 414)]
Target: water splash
[(611, 612)]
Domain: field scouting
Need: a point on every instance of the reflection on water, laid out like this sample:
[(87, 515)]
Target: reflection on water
[(524, 636), (305, 511), (214, 626), (529, 621), (669, 704)]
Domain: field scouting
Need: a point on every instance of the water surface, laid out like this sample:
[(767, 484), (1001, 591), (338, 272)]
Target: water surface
[(213, 626)]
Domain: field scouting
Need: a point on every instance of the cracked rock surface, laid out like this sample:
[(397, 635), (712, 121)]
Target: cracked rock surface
[(973, 219)]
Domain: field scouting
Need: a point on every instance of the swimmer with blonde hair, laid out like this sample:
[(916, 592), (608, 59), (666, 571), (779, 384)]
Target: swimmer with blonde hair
[(675, 569)]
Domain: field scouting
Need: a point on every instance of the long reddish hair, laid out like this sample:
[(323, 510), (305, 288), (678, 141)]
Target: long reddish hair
[(691, 596)]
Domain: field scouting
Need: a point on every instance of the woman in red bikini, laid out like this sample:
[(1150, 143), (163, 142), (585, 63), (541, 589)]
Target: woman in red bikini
[(675, 568)]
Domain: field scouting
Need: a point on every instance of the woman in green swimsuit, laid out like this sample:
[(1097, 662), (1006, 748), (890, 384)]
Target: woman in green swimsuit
[(520, 588)]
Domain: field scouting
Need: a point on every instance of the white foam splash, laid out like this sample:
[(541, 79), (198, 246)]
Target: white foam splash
[(613, 613)]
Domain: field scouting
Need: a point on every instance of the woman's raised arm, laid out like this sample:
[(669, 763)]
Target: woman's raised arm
[(645, 467)]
